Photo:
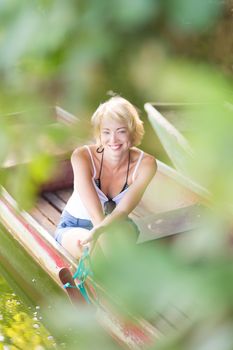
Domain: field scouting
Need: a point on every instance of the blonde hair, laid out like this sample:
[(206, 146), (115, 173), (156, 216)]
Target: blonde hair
[(118, 108)]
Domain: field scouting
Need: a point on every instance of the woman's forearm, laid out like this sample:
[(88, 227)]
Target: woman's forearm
[(97, 219), (110, 220)]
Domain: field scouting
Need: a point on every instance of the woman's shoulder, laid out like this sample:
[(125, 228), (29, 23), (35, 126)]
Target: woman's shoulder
[(79, 152), (147, 166), (80, 160), (146, 158), (84, 153)]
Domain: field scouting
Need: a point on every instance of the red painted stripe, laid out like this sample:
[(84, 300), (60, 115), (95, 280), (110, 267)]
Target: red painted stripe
[(51, 251), (137, 333)]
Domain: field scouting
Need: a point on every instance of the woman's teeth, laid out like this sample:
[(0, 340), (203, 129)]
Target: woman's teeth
[(115, 147)]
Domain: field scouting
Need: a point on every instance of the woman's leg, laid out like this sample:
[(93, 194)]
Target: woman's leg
[(70, 241), (121, 234)]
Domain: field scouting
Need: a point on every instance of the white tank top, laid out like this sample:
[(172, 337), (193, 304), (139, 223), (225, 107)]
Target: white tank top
[(75, 206)]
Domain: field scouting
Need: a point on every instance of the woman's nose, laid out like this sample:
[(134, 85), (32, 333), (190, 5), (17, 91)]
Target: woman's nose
[(113, 137)]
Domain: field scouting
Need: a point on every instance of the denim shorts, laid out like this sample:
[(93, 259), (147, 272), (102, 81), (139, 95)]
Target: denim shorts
[(67, 221)]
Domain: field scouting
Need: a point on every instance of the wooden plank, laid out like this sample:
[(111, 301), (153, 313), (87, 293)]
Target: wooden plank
[(43, 220), (65, 117), (174, 143), (169, 319), (169, 223), (64, 194), (178, 105), (54, 200), (48, 211), (164, 194), (62, 177), (181, 115), (141, 210)]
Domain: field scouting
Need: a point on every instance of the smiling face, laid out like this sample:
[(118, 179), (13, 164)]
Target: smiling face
[(115, 114), (115, 136)]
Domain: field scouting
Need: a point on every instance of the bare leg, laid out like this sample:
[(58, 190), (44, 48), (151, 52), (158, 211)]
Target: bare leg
[(70, 241)]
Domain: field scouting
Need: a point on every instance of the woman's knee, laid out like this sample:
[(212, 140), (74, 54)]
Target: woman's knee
[(70, 241)]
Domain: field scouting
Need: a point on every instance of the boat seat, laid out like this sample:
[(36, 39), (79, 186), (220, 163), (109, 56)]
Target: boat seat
[(169, 223)]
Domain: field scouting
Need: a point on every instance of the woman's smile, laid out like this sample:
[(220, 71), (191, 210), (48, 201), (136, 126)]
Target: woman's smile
[(115, 147)]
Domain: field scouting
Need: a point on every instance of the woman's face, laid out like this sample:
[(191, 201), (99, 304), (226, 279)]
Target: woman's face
[(115, 136)]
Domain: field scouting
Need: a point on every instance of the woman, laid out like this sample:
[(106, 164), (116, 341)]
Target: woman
[(110, 177)]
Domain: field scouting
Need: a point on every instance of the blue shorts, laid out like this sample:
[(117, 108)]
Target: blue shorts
[(67, 221)]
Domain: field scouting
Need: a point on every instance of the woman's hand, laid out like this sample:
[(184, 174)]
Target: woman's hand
[(91, 236)]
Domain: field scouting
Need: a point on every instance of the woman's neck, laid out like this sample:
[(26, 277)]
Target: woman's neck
[(115, 161)]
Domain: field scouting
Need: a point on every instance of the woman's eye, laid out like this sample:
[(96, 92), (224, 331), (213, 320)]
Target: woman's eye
[(105, 132)]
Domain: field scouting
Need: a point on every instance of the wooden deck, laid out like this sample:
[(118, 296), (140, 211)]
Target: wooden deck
[(48, 208)]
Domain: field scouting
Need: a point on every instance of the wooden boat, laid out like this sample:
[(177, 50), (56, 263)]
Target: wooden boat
[(31, 259)]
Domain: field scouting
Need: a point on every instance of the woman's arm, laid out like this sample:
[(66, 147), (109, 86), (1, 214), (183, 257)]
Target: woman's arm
[(83, 184), (133, 196)]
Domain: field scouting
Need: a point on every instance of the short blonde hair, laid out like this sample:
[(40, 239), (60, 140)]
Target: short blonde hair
[(118, 108)]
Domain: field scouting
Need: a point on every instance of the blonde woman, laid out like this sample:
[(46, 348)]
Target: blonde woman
[(110, 177)]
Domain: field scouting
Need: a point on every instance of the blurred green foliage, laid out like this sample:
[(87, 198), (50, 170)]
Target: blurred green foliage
[(20, 328), (71, 54)]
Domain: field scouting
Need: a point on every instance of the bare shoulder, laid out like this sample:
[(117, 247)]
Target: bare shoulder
[(149, 165), (148, 161), (79, 153), (80, 157)]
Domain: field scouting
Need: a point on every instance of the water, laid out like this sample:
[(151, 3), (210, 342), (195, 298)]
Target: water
[(20, 325)]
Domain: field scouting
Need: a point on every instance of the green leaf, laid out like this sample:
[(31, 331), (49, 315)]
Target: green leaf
[(193, 15)]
